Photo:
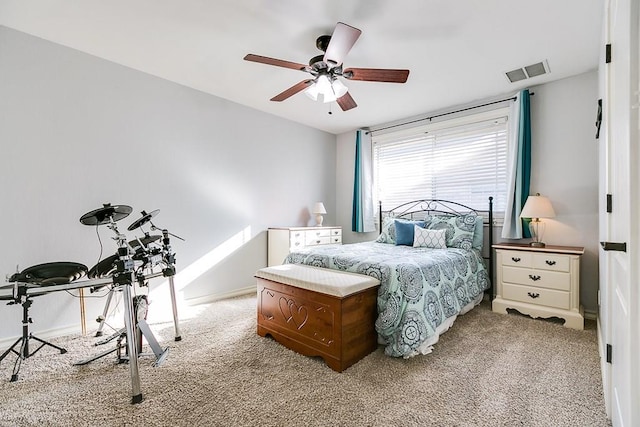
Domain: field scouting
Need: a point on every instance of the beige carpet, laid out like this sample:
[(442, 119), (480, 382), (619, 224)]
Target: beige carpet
[(488, 370)]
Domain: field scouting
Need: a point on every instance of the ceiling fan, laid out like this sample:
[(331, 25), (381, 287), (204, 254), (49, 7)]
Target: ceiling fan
[(326, 69)]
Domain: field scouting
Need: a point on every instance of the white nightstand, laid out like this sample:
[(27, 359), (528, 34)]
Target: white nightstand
[(539, 282), (283, 240)]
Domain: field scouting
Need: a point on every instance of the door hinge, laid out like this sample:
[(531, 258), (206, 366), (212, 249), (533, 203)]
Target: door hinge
[(607, 55), (609, 353), (609, 203)]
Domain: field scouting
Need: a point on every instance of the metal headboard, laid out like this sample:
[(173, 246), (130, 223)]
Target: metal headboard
[(418, 209)]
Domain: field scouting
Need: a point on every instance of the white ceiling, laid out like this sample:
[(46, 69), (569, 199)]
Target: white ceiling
[(457, 51)]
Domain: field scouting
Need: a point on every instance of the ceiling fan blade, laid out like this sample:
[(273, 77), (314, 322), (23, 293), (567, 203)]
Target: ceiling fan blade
[(346, 102), (342, 40), (376, 75), (292, 90), (276, 62)]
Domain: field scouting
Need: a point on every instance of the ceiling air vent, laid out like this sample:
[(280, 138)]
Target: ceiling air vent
[(516, 75), (527, 72)]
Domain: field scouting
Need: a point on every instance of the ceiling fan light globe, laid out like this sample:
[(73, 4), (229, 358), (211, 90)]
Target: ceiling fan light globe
[(339, 88), (312, 92), (323, 84), (329, 97)]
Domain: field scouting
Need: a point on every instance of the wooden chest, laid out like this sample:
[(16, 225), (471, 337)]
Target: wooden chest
[(319, 312)]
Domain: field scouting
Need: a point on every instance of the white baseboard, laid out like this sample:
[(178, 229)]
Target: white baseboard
[(216, 297), (591, 315)]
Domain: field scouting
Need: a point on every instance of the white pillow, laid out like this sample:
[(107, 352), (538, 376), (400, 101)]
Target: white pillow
[(426, 238)]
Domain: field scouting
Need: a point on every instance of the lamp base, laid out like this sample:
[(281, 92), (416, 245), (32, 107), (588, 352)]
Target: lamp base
[(537, 245)]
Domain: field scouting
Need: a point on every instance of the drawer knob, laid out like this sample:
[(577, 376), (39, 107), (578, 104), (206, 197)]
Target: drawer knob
[(534, 278), (318, 241), (515, 259), (532, 295), (550, 262)]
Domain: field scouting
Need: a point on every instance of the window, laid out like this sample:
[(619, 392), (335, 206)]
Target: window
[(463, 160)]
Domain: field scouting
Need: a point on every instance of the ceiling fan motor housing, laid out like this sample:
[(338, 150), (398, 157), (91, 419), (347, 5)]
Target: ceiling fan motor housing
[(319, 60), (322, 42)]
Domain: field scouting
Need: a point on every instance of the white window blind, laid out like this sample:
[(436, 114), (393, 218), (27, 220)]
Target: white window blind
[(461, 162)]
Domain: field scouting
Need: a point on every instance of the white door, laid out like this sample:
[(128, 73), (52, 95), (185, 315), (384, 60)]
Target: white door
[(619, 286)]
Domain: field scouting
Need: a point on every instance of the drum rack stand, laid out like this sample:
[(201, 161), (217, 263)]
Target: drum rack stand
[(24, 353), (123, 280), (167, 272)]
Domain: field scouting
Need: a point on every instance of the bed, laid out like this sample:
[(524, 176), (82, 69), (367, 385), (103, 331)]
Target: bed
[(428, 258)]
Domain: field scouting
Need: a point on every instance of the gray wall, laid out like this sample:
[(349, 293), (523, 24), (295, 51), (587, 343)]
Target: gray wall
[(564, 168), (77, 131)]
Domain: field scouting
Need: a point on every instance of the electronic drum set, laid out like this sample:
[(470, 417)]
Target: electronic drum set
[(135, 262)]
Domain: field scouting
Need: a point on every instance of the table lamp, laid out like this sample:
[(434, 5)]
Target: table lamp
[(537, 207), (318, 210)]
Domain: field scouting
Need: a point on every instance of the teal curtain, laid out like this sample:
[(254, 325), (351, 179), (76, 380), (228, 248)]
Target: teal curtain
[(519, 167), (524, 141), (362, 217)]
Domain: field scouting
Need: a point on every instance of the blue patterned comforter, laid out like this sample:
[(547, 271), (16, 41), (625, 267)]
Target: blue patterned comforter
[(419, 287)]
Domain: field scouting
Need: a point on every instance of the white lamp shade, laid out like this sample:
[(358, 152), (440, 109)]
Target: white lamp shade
[(537, 207), (318, 208), (324, 88), (339, 88), (312, 92), (329, 89)]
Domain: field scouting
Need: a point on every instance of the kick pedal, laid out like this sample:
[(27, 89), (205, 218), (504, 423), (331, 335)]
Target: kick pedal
[(111, 337), (158, 352), (97, 356)]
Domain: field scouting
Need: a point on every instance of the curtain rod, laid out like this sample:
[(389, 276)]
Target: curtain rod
[(445, 114)]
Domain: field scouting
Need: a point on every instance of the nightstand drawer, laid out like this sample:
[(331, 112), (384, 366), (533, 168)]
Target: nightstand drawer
[(313, 235), (336, 239), (297, 235), (538, 296), (541, 279), (296, 239), (517, 258), (319, 241), (336, 232), (296, 244), (551, 262)]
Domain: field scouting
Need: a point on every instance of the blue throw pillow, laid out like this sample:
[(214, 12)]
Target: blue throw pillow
[(404, 231)]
